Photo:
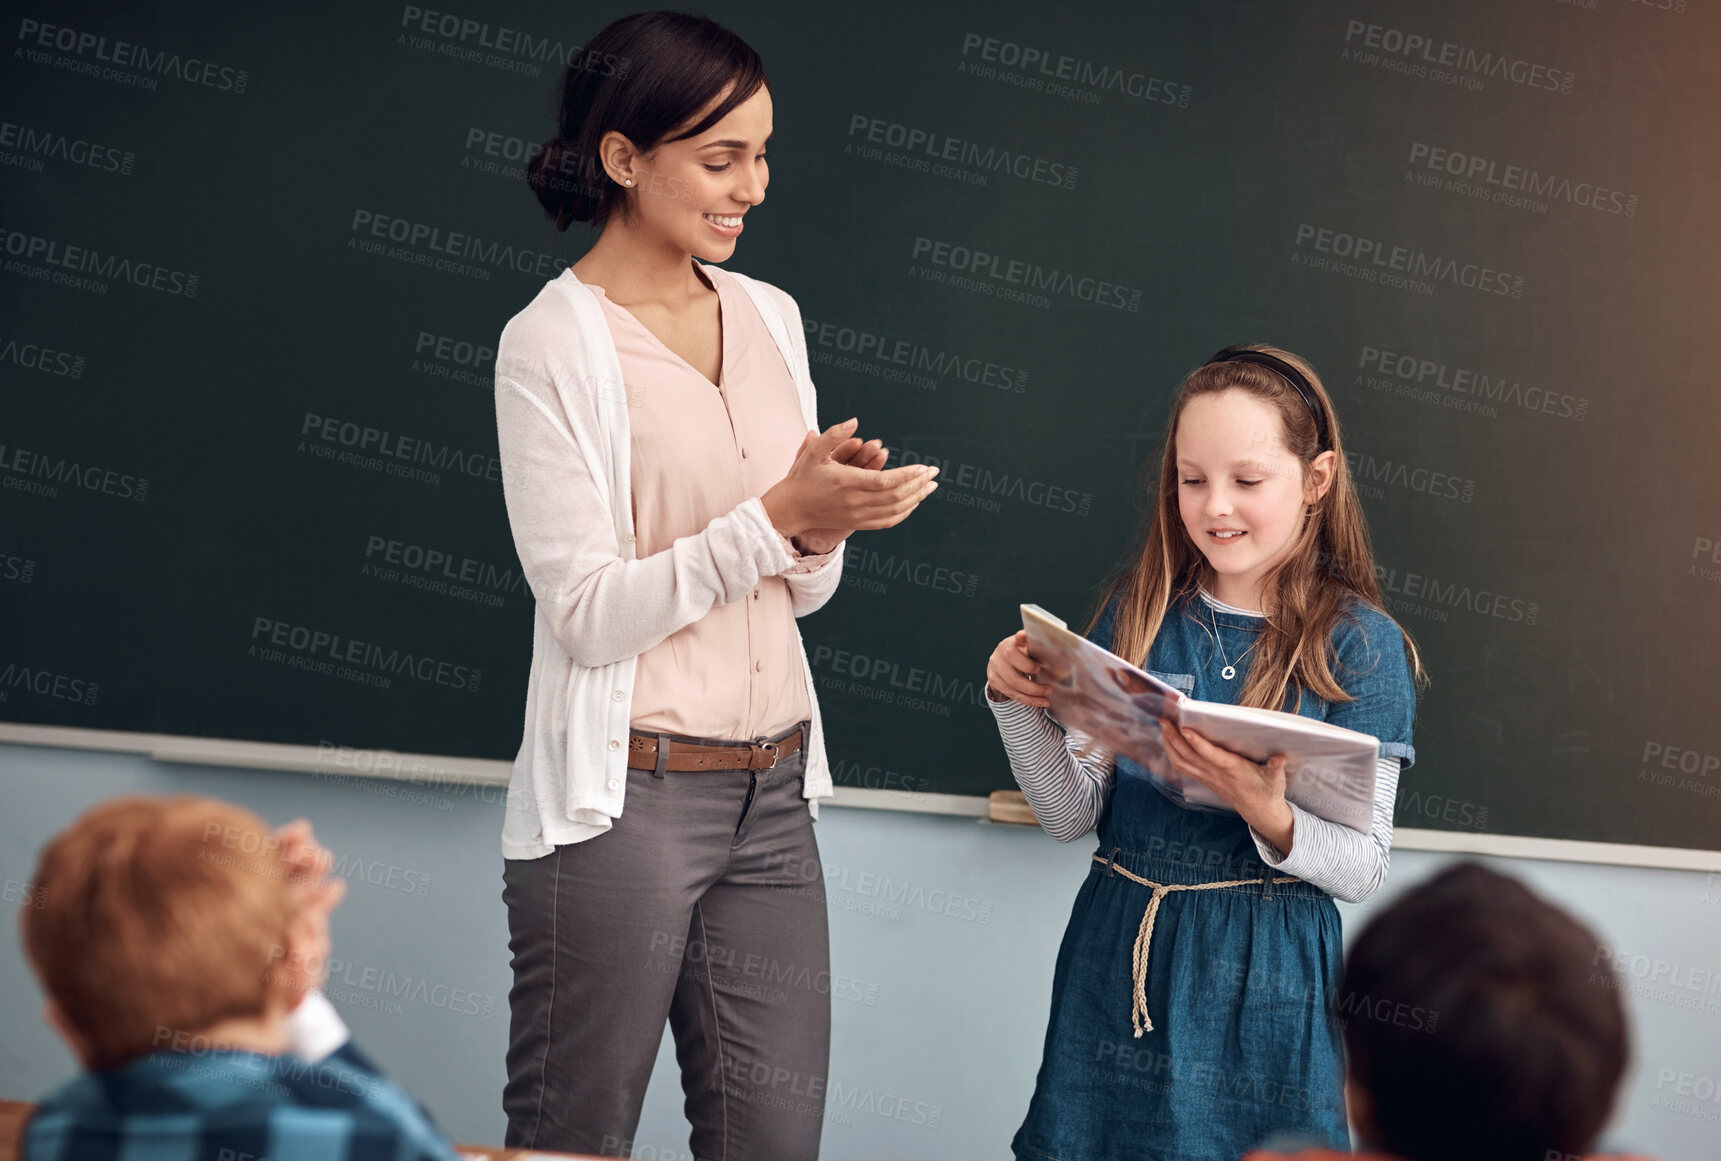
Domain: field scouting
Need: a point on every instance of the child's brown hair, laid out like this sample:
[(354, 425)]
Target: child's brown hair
[(1330, 558), (1499, 1039), (157, 917)]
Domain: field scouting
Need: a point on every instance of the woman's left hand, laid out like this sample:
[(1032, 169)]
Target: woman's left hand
[(871, 456), (1253, 790)]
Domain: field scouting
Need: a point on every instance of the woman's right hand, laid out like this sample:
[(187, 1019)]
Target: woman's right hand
[(1010, 671), (822, 491)]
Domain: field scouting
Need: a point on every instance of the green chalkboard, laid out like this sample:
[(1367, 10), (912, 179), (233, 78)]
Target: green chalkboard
[(255, 264)]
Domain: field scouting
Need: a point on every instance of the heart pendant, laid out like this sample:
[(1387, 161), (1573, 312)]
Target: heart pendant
[(1228, 672)]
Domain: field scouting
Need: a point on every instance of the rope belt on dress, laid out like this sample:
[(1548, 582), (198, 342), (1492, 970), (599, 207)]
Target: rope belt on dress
[(1144, 937)]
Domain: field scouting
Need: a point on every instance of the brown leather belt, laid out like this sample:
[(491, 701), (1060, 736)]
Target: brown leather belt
[(642, 753)]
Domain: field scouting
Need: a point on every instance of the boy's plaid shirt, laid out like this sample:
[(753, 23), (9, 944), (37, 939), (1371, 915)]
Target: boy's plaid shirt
[(234, 1106)]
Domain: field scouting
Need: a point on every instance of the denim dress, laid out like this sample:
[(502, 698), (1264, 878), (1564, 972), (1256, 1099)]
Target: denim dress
[(1238, 981)]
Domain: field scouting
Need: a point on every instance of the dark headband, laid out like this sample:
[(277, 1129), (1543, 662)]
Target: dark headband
[(1289, 374)]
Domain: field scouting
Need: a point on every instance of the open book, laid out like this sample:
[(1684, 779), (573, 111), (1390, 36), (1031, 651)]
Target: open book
[(1329, 770)]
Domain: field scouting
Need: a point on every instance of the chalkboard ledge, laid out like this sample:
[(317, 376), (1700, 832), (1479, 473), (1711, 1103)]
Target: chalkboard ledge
[(330, 762)]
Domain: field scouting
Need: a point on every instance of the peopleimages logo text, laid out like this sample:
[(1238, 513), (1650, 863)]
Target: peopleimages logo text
[(1495, 388), (423, 236), (1470, 167), (85, 260), (872, 345), (322, 647), (1062, 67), (1409, 260), (1025, 273), (124, 54), (59, 147), (1462, 58), (943, 147), (459, 29)]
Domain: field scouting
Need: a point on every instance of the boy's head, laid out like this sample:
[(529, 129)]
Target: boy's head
[(1477, 1026), (160, 918)]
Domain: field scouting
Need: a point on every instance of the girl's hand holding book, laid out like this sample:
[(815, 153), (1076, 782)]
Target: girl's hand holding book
[(1253, 790), (1010, 672)]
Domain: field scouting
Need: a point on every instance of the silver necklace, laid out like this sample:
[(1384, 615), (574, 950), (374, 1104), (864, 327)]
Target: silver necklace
[(1230, 670)]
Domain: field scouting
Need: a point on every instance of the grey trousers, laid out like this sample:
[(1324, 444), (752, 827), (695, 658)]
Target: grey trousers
[(704, 904)]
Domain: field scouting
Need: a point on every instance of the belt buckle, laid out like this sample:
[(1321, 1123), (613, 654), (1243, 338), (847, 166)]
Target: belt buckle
[(765, 747)]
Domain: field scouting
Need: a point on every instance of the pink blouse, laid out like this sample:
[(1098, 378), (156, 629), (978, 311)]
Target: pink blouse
[(697, 450)]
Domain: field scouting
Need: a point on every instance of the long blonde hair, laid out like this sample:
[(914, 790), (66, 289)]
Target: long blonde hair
[(1329, 559)]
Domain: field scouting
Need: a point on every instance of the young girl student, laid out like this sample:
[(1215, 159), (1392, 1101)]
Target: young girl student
[(1189, 1014)]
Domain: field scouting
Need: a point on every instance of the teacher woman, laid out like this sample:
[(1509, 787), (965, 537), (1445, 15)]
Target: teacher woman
[(675, 510)]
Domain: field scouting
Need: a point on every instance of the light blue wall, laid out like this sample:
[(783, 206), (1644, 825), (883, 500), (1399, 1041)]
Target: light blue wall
[(935, 1058)]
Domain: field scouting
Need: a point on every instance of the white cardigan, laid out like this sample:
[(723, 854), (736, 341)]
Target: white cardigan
[(562, 425)]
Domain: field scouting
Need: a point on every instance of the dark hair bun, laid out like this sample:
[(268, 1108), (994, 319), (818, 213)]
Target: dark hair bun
[(568, 190)]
